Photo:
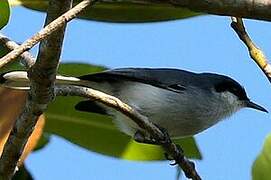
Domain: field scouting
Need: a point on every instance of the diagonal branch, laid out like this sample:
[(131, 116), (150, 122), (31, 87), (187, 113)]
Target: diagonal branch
[(255, 53), (42, 34), (171, 149), (27, 59)]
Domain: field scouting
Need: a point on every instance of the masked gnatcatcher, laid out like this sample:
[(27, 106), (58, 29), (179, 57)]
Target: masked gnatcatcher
[(184, 103)]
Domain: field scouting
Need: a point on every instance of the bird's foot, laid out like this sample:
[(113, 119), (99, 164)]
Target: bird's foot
[(179, 156), (141, 137)]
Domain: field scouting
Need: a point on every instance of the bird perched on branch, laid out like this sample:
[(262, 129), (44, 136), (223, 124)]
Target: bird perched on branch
[(182, 102)]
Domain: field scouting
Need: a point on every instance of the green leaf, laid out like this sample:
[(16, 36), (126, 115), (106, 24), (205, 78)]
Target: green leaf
[(15, 65), (262, 165), (12, 66), (78, 69), (3, 50), (43, 141), (123, 11), (97, 132), (4, 13)]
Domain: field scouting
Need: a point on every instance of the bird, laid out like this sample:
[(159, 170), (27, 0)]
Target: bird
[(181, 102)]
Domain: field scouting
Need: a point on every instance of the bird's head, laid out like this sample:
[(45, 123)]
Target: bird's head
[(232, 92)]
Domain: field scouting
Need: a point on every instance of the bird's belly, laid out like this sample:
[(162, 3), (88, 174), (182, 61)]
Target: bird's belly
[(165, 108), (182, 127), (177, 124)]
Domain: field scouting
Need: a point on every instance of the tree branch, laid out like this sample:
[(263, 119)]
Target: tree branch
[(27, 59), (171, 149), (42, 34), (43, 73), (42, 76), (252, 9), (255, 53)]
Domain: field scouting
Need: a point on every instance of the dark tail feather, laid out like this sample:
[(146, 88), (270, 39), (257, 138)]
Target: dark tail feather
[(91, 106)]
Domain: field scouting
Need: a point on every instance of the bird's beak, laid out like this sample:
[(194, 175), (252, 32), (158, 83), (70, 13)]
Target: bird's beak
[(253, 105)]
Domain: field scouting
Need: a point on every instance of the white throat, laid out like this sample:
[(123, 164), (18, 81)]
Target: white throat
[(231, 103)]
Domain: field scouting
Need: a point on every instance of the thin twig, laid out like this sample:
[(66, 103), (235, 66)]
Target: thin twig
[(255, 53), (42, 76), (171, 149), (43, 33), (27, 59)]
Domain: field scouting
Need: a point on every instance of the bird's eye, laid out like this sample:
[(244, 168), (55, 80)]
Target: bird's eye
[(232, 87)]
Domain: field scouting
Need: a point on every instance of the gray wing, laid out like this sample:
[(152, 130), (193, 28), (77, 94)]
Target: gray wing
[(171, 79)]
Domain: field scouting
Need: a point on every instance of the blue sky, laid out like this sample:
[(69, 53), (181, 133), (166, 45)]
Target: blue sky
[(205, 43)]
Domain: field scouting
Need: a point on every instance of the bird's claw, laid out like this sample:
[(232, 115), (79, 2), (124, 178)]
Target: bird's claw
[(168, 157), (178, 157), (166, 139), (142, 138)]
